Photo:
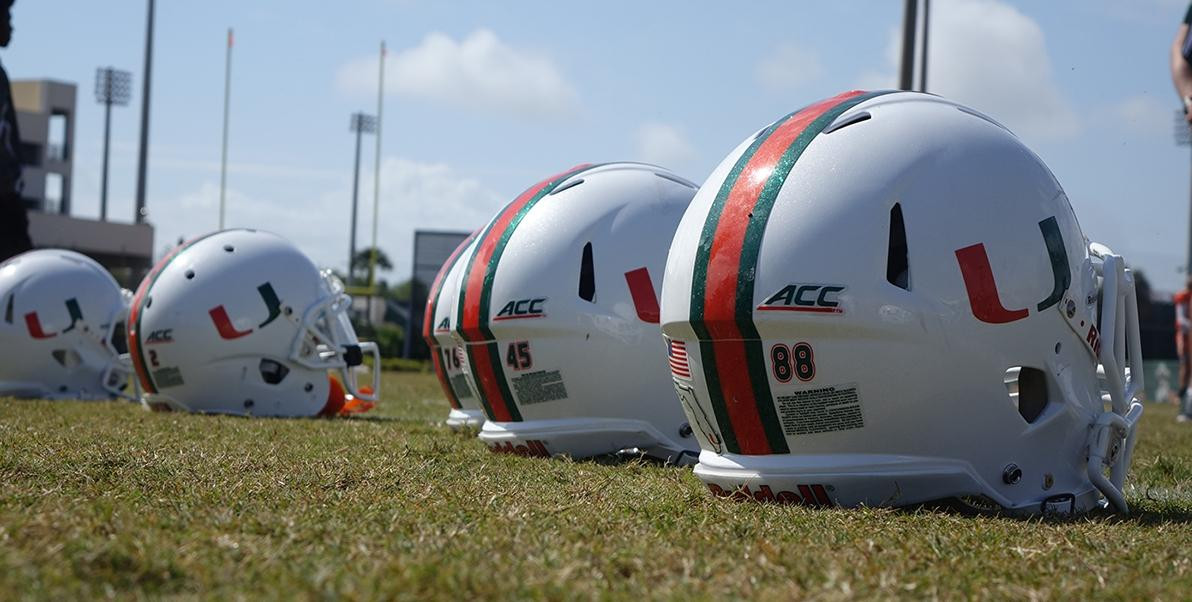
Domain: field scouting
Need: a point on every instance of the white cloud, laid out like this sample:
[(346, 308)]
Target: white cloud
[(414, 195), (479, 72), (787, 66), (664, 145), (987, 54), (1143, 114)]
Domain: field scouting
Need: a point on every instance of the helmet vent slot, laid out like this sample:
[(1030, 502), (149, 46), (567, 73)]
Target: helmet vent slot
[(8, 309), (847, 121), (273, 372), (1028, 391), (571, 184), (587, 275), (898, 269)]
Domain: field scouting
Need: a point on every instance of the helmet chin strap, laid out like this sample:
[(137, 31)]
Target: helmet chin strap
[(1111, 440), (340, 403)]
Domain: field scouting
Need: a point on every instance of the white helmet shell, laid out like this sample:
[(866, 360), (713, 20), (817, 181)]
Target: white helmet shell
[(241, 322), (886, 299), (559, 316), (447, 355), (59, 311)]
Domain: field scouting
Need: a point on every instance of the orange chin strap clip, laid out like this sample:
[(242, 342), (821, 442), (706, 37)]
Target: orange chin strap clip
[(340, 403)]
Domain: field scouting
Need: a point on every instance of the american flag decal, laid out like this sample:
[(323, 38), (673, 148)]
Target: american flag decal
[(676, 353)]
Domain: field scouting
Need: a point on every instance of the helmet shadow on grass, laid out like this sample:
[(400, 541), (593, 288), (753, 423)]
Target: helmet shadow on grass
[(624, 459), (1137, 515)]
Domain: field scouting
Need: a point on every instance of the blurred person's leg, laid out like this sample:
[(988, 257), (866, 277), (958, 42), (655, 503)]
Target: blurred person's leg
[(14, 228), (1182, 347)]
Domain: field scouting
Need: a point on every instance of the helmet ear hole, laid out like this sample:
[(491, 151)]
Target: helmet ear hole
[(67, 358), (272, 371), (1028, 390)]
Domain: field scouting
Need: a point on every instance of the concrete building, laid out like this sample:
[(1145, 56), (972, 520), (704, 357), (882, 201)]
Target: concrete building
[(46, 119), (45, 116)]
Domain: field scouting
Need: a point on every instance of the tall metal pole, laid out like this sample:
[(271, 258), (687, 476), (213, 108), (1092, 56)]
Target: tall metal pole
[(223, 162), (107, 129), (906, 74), (1183, 137), (372, 256), (355, 187), (143, 154), (923, 57)]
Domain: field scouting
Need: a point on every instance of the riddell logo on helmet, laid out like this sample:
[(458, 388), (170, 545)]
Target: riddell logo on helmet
[(810, 298), (522, 308), (809, 495), (530, 449), (444, 325)]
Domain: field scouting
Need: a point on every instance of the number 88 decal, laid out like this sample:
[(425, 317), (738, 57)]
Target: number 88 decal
[(797, 360)]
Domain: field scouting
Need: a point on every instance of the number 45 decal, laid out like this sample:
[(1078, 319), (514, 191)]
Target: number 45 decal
[(517, 356)]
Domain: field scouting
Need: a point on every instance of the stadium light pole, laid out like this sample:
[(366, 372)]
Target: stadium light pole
[(1183, 137), (223, 159), (111, 88), (143, 152), (923, 56), (906, 71), (361, 124), (372, 256)]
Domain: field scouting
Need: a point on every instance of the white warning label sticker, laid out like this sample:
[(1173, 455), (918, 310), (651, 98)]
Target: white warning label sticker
[(823, 410), (539, 387)]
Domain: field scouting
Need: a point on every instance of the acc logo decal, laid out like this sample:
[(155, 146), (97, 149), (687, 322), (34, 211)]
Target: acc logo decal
[(522, 308), (809, 495), (165, 335), (219, 315), (530, 449), (811, 298)]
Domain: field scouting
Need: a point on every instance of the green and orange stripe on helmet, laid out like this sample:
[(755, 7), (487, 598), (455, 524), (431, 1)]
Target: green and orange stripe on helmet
[(721, 313), (139, 302), (428, 327), (472, 322)]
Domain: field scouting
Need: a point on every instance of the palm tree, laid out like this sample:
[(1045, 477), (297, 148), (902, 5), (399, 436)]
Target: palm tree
[(360, 264)]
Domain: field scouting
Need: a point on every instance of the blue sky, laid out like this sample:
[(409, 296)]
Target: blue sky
[(484, 98)]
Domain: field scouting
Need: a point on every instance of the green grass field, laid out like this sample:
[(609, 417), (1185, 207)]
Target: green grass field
[(105, 499)]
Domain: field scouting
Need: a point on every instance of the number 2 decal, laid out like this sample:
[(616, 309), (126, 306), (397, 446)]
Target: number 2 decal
[(518, 357), (797, 360)]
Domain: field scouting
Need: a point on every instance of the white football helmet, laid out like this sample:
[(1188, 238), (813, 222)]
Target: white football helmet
[(63, 319), (558, 315), (886, 299), (446, 354), (241, 322)]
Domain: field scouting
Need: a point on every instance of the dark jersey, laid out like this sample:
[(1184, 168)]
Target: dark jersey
[(10, 141), (1186, 49), (14, 224)]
